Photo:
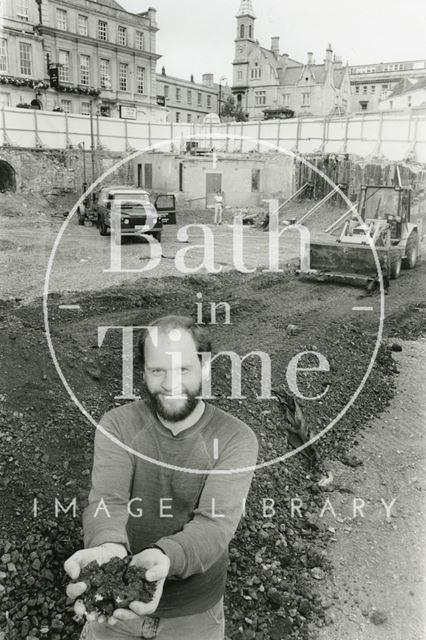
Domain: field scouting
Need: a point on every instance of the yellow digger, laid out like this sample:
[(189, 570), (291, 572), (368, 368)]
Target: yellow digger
[(382, 220)]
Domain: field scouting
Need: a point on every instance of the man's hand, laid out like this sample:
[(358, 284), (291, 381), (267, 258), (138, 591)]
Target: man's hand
[(157, 564), (80, 559)]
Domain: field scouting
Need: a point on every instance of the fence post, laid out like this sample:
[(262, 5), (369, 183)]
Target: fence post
[(379, 143), (298, 134), (279, 134), (172, 146), (38, 142), (242, 134), (227, 137), (345, 143), (149, 134), (6, 139), (259, 127), (67, 132), (126, 136), (98, 135)]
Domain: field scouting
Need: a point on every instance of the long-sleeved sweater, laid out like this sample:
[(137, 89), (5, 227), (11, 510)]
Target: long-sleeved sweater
[(192, 517)]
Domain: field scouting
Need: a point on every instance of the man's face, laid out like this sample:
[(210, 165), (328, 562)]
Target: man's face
[(173, 373)]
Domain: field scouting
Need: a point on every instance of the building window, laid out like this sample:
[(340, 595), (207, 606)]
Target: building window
[(122, 76), (357, 89), (363, 105), (25, 59), (64, 65), (255, 179), (239, 75), (139, 40), (140, 80), (409, 100), (84, 70), (286, 99), (199, 99), (122, 36), (188, 118), (166, 90), (61, 20), (260, 97), (306, 97), (373, 88), (3, 54), (22, 10), (83, 28), (85, 108), (66, 105), (256, 72), (390, 104), (364, 89), (209, 101), (177, 94), (104, 73), (102, 30), (250, 31), (242, 31), (189, 97), (177, 116)]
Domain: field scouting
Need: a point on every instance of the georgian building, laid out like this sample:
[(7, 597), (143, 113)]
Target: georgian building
[(268, 79), (189, 101), (90, 55), (22, 68), (372, 83)]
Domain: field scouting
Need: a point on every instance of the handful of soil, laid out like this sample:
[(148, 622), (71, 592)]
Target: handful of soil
[(114, 585)]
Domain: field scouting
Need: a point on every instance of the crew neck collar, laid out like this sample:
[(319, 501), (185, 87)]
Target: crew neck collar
[(186, 433)]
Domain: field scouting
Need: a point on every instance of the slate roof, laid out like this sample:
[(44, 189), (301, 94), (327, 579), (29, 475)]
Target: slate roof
[(407, 85)]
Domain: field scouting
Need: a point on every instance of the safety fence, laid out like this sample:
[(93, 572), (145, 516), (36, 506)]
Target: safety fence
[(395, 135)]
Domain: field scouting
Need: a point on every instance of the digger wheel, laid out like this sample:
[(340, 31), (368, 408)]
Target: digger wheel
[(411, 251), (395, 268)]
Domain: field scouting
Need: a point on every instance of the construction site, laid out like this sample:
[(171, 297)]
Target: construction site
[(355, 294)]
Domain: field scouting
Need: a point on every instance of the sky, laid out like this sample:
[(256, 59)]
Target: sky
[(197, 36)]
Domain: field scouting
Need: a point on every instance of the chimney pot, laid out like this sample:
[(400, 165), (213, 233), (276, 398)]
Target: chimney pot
[(275, 44), (310, 57)]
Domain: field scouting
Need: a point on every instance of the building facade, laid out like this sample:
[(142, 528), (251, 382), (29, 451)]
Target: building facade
[(90, 56), (267, 79), (22, 69), (409, 93), (189, 101), (372, 83)]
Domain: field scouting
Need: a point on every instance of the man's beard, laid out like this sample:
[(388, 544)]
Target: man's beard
[(166, 410)]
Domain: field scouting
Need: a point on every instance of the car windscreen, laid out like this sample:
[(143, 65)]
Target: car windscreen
[(132, 198)]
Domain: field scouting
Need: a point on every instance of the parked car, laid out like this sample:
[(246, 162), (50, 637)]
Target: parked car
[(94, 205), (135, 210)]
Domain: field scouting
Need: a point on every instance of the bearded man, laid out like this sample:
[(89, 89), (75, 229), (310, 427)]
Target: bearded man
[(170, 477)]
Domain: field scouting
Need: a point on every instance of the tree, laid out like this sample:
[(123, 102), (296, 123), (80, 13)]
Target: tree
[(231, 110)]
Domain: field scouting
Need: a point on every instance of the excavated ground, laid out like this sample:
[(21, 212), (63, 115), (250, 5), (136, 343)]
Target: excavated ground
[(277, 562)]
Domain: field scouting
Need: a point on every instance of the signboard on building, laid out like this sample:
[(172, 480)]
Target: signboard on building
[(128, 113)]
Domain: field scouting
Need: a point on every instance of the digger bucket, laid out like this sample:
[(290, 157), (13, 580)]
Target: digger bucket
[(333, 260)]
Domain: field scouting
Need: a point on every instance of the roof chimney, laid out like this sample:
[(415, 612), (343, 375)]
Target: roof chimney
[(208, 79), (310, 57), (329, 53), (284, 57), (275, 45), (163, 71)]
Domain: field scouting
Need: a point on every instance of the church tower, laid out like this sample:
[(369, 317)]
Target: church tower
[(244, 43), (245, 22)]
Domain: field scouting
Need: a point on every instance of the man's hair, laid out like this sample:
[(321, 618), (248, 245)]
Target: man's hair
[(168, 323)]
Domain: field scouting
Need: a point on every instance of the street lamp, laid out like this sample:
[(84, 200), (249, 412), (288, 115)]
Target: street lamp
[(220, 94)]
